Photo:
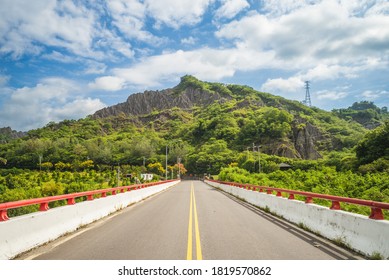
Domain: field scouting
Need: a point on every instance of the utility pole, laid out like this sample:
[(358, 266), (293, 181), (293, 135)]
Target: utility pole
[(118, 176), (253, 154), (179, 167), (166, 165), (40, 162), (259, 157)]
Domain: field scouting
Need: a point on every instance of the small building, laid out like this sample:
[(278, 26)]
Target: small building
[(147, 176), (284, 166)]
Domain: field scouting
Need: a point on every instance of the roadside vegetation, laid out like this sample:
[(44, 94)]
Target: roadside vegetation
[(344, 152)]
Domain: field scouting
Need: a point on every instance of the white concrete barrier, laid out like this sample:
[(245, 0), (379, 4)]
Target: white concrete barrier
[(360, 233), (23, 233)]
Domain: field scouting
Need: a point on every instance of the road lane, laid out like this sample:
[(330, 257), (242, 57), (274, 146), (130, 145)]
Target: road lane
[(191, 221), (151, 230), (233, 229)]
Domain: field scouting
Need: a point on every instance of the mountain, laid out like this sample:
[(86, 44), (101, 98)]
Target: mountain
[(7, 134), (186, 95), (365, 112), (208, 125), (311, 130)]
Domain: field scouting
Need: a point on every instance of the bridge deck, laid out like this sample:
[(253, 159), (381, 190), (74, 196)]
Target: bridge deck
[(217, 226)]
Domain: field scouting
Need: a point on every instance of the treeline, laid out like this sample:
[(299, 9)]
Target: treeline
[(365, 113), (20, 184), (17, 184), (228, 126)]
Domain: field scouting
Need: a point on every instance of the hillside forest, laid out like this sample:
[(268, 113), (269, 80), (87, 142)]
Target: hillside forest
[(228, 132)]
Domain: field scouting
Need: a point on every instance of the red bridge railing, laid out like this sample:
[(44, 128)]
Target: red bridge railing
[(376, 207), (43, 202)]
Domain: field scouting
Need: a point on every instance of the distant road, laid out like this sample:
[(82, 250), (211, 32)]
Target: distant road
[(191, 221)]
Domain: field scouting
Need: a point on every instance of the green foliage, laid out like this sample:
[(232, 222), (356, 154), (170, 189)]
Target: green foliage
[(82, 155), (374, 145), (365, 113), (325, 180), (210, 157), (156, 168)]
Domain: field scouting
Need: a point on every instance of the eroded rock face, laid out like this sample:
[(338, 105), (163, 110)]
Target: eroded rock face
[(305, 139), (302, 143), (145, 103), (7, 133)]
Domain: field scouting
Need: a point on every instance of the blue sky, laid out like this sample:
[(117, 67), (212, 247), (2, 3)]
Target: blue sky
[(66, 59)]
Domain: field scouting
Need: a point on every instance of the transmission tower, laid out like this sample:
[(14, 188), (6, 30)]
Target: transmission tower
[(307, 100)]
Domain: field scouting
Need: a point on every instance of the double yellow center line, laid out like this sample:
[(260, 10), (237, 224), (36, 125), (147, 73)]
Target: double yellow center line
[(193, 212)]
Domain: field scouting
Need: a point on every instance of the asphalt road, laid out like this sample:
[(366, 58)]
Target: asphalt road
[(191, 221)]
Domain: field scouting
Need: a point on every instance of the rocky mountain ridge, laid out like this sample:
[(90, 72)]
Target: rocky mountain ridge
[(7, 133), (306, 139), (149, 101)]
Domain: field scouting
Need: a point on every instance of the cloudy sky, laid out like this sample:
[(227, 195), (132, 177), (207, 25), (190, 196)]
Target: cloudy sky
[(67, 59)]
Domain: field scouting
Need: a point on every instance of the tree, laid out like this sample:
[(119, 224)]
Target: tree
[(374, 145), (46, 165), (156, 168), (3, 161), (88, 164)]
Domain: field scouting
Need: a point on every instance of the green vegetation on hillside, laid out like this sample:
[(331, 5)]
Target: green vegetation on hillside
[(323, 148), (365, 113)]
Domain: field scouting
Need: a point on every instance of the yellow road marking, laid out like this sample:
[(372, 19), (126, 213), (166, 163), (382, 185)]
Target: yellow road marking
[(190, 229), (189, 250), (198, 243)]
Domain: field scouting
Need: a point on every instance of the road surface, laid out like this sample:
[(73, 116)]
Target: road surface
[(191, 221)]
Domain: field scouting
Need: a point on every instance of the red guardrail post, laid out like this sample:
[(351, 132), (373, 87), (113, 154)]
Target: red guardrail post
[(335, 205), (308, 199), (3, 215), (44, 206), (376, 214), (71, 201)]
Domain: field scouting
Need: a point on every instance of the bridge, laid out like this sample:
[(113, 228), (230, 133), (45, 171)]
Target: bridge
[(185, 220)]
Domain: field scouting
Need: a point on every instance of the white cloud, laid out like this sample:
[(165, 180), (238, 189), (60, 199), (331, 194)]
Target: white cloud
[(4, 80), (292, 84), (324, 33), (53, 99), (330, 72), (108, 83), (60, 57), (94, 67), (373, 95), (230, 8), (129, 17), (206, 63), (61, 24), (175, 13), (188, 41), (277, 8), (78, 108), (331, 95)]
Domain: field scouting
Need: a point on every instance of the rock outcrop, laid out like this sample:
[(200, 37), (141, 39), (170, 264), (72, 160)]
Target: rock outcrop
[(145, 103), (6, 134), (306, 139)]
